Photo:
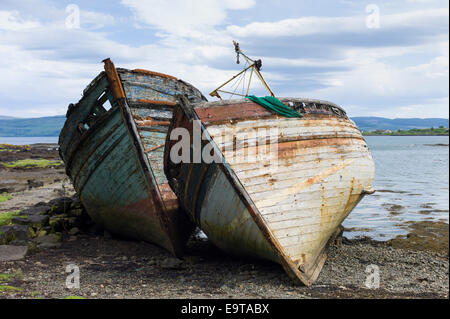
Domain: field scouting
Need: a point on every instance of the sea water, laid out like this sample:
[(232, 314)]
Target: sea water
[(412, 183)]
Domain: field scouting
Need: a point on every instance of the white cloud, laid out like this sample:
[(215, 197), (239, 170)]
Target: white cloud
[(315, 25), (95, 20), (12, 21), (182, 17), (378, 89), (46, 66)]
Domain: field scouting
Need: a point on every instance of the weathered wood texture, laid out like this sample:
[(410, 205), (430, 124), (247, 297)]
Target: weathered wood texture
[(122, 188), (318, 169), (151, 97)]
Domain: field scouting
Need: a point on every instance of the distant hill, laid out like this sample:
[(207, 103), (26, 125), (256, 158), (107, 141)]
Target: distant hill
[(380, 123), (50, 126), (7, 117), (42, 126)]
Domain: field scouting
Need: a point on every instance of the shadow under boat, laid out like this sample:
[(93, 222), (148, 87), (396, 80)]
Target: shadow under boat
[(112, 144)]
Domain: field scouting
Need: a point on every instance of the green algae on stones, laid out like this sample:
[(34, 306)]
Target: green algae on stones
[(9, 288), (39, 163), (4, 197), (7, 277), (5, 218)]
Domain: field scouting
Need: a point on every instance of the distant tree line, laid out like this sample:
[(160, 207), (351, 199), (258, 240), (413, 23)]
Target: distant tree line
[(441, 130)]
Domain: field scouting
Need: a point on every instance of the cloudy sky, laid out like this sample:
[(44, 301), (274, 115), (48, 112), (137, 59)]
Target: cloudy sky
[(375, 58)]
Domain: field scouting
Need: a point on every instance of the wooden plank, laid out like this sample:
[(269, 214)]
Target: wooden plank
[(147, 72), (115, 86), (69, 133), (232, 112), (155, 102)]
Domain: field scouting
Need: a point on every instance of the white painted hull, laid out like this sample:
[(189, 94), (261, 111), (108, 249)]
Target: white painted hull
[(298, 193)]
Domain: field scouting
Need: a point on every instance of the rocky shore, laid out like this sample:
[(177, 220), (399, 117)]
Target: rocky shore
[(44, 229)]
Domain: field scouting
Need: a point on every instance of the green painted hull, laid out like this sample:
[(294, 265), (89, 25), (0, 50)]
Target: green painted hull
[(122, 187)]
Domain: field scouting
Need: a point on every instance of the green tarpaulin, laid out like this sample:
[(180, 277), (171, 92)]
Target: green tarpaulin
[(274, 104)]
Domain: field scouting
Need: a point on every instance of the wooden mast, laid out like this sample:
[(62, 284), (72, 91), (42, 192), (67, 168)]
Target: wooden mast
[(254, 65)]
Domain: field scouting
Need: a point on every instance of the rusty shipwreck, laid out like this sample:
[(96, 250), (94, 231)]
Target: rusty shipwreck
[(263, 184), (112, 145)]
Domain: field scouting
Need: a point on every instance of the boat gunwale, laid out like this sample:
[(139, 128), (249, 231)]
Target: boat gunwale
[(282, 99), (232, 111)]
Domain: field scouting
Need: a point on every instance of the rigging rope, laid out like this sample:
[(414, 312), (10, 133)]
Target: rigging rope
[(236, 83)]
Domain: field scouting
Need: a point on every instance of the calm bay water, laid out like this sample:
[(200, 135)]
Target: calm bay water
[(411, 179), (412, 183), (28, 140)]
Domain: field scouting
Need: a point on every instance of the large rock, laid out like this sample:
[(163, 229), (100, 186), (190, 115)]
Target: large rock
[(36, 210), (36, 221), (10, 253), (60, 205), (62, 222), (21, 232), (48, 241), (76, 202), (6, 234), (19, 242)]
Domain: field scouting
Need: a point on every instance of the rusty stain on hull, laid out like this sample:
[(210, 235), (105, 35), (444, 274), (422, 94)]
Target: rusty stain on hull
[(147, 72), (157, 102), (287, 212)]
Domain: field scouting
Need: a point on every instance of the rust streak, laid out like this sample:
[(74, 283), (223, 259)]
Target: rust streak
[(153, 123), (280, 196), (157, 102), (154, 73), (168, 196), (148, 150), (114, 80), (245, 110), (230, 112)]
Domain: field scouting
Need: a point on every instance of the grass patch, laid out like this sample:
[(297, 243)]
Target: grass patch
[(5, 218), (4, 197), (4, 145), (8, 277), (36, 295), (9, 288), (75, 297), (13, 148), (40, 163)]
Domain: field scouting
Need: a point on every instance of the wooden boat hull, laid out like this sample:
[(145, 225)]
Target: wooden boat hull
[(286, 205), (112, 159)]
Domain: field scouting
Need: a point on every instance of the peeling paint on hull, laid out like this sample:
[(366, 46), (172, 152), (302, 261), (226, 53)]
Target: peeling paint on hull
[(286, 212), (121, 185)]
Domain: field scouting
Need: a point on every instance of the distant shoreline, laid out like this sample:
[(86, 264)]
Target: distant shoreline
[(432, 131)]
